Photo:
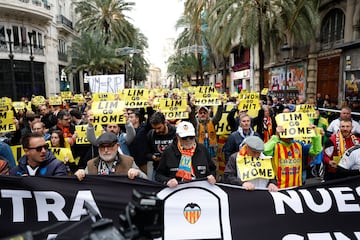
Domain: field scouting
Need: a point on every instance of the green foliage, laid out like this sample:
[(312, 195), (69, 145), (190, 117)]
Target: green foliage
[(104, 27)]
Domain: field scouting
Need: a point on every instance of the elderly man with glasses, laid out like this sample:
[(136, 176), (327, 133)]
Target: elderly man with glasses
[(110, 161), (37, 161), (185, 159)]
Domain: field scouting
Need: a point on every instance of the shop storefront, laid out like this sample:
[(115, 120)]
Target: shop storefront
[(295, 85), (241, 80)]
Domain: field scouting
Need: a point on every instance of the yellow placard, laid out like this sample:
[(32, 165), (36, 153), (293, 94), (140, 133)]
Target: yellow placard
[(78, 98), (55, 101), (18, 106), (17, 152), (250, 101), (7, 121), (223, 128), (5, 104), (186, 84), (251, 168), (135, 98), (108, 112), (108, 96), (309, 109), (264, 91), (38, 100), (295, 124), (308, 140), (66, 95), (206, 92), (81, 133), (63, 154), (176, 115), (172, 105)]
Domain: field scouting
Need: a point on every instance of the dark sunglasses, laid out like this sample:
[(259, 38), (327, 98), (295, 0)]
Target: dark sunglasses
[(40, 148), (188, 137)]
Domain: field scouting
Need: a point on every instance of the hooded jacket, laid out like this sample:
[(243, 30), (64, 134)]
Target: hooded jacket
[(50, 167)]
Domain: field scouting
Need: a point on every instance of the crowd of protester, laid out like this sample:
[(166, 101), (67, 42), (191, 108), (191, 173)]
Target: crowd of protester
[(150, 146)]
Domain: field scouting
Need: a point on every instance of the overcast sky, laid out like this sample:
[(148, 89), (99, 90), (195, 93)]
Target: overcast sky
[(156, 20)]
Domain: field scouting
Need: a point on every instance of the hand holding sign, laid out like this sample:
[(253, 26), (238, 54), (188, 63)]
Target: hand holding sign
[(292, 125)]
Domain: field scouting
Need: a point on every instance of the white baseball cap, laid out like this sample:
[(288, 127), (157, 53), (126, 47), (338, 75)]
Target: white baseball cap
[(185, 129)]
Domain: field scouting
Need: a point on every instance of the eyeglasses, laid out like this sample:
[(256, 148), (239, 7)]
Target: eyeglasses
[(202, 113), (103, 146), (188, 137), (40, 148)]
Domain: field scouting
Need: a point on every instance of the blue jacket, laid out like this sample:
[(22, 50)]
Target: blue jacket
[(50, 167), (6, 154)]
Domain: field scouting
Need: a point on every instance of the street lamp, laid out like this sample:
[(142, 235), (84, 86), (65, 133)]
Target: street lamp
[(286, 49), (32, 72), (126, 51), (11, 56)]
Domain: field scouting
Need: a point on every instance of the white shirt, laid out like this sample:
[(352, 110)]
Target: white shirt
[(351, 159), (334, 126)]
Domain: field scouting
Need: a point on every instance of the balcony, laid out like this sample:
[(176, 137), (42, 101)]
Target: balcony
[(33, 9), (62, 56), (63, 24)]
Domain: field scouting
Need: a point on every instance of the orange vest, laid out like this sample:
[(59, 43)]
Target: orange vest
[(288, 164), (207, 131)]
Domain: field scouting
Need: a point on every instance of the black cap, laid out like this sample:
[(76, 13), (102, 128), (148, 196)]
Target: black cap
[(107, 137)]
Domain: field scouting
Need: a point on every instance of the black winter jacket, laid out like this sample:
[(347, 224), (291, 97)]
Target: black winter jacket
[(202, 164)]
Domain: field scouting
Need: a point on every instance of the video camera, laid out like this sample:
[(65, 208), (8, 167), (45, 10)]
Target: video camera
[(142, 218)]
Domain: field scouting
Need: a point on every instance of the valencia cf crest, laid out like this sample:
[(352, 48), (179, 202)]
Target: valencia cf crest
[(192, 212)]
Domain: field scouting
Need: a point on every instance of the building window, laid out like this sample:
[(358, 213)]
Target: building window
[(332, 29), (35, 42), (40, 40), (62, 46), (16, 35), (62, 50), (2, 35), (23, 36)]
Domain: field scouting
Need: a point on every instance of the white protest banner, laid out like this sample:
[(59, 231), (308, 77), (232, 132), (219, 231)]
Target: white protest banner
[(106, 83)]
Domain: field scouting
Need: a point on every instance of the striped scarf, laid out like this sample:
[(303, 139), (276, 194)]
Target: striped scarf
[(268, 131), (185, 171), (341, 144)]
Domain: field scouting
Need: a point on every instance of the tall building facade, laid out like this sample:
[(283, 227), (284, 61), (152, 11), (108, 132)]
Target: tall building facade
[(330, 64), (35, 36)]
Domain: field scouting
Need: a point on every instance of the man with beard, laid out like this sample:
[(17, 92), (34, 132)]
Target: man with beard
[(110, 161), (336, 146), (37, 161), (185, 159), (161, 136)]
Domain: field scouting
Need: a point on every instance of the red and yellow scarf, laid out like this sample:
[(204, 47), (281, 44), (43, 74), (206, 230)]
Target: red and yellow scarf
[(185, 171)]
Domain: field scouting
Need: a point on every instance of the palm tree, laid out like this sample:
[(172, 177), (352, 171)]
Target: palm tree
[(192, 38), (106, 16), (89, 53), (217, 54), (262, 23), (181, 67), (138, 61)]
